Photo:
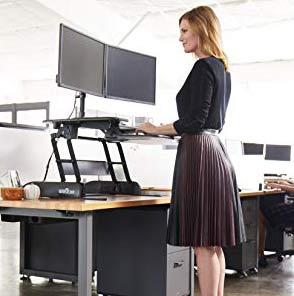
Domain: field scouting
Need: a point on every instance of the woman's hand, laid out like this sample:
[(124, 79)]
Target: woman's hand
[(151, 129), (147, 128)]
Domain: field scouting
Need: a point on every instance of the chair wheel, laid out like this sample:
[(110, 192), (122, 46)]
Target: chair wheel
[(253, 270), (25, 278), (243, 274)]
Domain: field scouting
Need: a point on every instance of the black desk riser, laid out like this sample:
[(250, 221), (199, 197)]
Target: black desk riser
[(68, 129), (110, 126)]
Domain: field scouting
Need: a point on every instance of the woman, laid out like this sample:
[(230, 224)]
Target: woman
[(205, 210)]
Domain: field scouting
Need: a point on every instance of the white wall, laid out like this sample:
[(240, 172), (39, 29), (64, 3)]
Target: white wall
[(25, 151)]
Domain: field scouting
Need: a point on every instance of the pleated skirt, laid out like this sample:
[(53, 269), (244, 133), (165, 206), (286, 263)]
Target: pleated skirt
[(205, 206)]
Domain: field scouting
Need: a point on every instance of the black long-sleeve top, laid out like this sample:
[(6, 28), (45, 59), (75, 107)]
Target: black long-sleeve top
[(203, 99)]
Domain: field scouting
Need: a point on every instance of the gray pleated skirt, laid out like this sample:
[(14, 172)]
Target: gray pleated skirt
[(205, 206)]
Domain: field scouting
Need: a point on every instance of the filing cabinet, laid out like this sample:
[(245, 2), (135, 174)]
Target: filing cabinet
[(178, 271), (244, 257)]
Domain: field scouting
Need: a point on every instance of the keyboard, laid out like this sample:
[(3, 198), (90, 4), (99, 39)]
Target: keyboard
[(124, 129)]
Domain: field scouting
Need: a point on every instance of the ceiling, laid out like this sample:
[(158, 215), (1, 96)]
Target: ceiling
[(254, 30)]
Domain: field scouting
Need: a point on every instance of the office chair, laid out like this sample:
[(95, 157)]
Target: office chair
[(279, 218)]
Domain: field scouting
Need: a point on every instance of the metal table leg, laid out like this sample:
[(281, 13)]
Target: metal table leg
[(85, 254)]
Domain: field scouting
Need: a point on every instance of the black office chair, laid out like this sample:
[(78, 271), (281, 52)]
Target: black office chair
[(279, 217)]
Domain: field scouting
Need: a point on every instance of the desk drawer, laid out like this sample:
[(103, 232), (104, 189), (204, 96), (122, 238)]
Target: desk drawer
[(178, 273), (174, 249)]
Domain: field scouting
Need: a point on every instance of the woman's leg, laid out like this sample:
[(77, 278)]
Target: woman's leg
[(222, 274), (209, 270)]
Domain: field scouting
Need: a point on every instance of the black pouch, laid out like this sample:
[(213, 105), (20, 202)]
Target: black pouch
[(99, 187), (60, 189), (132, 188), (110, 187)]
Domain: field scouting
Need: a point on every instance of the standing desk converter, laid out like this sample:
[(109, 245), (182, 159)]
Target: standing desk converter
[(113, 133), (162, 271)]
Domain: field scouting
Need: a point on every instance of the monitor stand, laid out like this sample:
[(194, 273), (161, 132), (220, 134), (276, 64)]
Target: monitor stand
[(81, 95)]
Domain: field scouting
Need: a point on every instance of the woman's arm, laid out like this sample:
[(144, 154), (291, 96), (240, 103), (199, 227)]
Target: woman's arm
[(149, 128), (285, 187)]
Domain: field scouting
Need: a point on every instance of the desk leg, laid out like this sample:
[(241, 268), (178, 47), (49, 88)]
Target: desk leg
[(192, 272), (85, 255)]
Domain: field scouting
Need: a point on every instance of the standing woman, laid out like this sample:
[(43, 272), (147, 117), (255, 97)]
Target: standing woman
[(205, 211)]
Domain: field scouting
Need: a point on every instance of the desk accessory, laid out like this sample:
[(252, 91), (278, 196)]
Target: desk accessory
[(60, 189), (31, 191), (12, 193)]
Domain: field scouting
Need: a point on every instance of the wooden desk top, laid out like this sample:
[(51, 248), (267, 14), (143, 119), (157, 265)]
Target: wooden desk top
[(242, 194), (245, 194), (112, 202), (80, 205)]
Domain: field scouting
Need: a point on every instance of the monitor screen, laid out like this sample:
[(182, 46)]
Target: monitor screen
[(252, 149), (278, 152), (130, 76), (81, 62)]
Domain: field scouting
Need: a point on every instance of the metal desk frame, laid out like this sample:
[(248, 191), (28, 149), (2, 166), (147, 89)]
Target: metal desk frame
[(85, 239)]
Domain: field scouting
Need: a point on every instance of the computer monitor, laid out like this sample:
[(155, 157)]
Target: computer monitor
[(252, 149), (278, 152), (80, 62), (130, 75)]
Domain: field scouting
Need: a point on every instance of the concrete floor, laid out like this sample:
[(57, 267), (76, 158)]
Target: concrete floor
[(275, 280)]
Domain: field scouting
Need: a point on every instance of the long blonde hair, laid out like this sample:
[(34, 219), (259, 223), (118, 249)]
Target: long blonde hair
[(206, 25)]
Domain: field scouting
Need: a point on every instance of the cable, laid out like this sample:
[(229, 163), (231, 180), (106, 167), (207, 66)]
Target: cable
[(73, 109), (47, 166), (49, 160)]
